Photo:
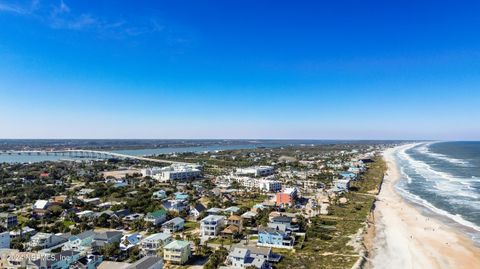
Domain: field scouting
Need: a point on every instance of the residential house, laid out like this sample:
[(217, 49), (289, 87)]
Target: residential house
[(107, 237), (90, 261), (151, 244), (173, 225), (23, 232), (40, 207), (175, 205), (133, 217), (241, 258), (196, 210), (160, 194), (130, 240), (80, 242), (156, 217), (177, 252), (211, 225), (8, 220), (270, 237), (45, 240)]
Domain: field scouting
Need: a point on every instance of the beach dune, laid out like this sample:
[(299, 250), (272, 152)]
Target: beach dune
[(404, 238)]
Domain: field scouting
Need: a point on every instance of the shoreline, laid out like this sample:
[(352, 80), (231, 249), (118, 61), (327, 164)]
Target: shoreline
[(402, 237)]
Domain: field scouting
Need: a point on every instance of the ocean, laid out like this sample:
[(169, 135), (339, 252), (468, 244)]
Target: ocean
[(443, 178)]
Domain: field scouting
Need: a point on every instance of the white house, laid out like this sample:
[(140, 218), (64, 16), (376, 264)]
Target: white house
[(151, 244), (211, 225), (173, 225), (156, 217), (130, 240), (45, 240)]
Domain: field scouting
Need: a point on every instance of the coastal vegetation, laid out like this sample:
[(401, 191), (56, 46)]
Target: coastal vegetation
[(330, 239)]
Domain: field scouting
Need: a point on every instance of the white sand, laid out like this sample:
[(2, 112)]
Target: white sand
[(404, 238)]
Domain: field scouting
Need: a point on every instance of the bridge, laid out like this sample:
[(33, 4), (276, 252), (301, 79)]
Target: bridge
[(84, 153)]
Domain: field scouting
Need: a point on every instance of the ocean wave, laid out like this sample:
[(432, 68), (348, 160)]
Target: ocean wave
[(424, 203), (425, 149), (446, 183)]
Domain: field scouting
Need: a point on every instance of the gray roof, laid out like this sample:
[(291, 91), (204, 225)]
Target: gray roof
[(174, 221), (239, 253), (145, 262)]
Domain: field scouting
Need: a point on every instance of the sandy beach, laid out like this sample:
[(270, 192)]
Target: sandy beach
[(404, 238)]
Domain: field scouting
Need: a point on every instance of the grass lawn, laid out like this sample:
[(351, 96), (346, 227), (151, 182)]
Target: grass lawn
[(325, 244), (190, 225)]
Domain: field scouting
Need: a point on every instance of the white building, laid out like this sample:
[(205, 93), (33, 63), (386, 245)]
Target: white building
[(174, 172), (45, 240), (211, 225), (5, 239), (269, 185), (341, 185), (151, 244), (258, 171)]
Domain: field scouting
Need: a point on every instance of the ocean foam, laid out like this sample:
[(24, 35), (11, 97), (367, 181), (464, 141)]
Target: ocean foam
[(425, 149), (424, 203), (453, 189)]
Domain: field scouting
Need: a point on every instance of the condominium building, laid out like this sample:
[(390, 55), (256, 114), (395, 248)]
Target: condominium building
[(257, 171), (174, 172)]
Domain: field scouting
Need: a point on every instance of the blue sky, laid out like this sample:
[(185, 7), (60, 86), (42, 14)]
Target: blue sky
[(240, 69)]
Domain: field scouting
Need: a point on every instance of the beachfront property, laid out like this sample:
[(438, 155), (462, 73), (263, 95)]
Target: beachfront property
[(173, 225), (270, 237), (257, 171), (151, 244), (241, 257), (211, 226), (177, 252), (177, 171)]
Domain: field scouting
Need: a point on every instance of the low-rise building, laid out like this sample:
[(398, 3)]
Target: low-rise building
[(177, 252), (269, 237), (211, 225), (151, 244), (8, 220), (173, 225), (241, 258), (156, 217), (45, 240), (80, 242)]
